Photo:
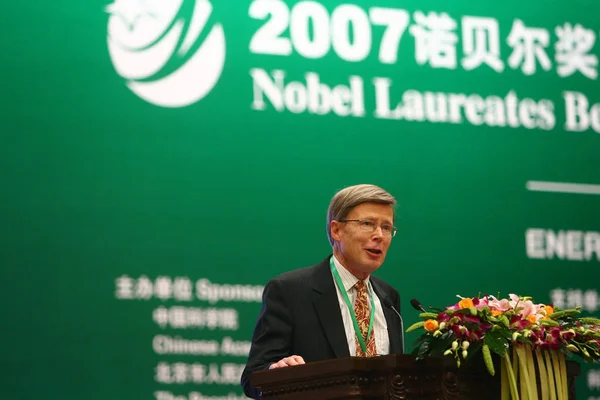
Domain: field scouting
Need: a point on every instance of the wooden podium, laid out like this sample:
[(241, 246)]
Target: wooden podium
[(397, 377)]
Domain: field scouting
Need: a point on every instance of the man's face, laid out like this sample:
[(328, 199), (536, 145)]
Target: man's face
[(363, 252)]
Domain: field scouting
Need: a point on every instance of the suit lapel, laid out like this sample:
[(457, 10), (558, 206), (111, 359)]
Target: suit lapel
[(393, 322), (327, 307)]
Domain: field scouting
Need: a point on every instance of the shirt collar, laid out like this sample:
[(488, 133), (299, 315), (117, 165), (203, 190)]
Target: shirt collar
[(348, 279)]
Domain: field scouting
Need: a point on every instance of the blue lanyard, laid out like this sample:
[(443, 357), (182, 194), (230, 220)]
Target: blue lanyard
[(359, 335)]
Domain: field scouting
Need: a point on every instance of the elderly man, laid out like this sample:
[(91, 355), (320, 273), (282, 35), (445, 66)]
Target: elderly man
[(335, 308)]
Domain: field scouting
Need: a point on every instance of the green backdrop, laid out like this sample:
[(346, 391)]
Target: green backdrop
[(163, 160)]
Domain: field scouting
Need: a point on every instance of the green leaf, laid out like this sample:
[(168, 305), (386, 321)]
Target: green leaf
[(441, 343), (474, 349), (496, 341), (424, 339), (548, 322), (590, 321), (436, 310), (463, 311), (506, 333), (565, 313), (568, 353), (415, 326), (423, 350), (428, 315), (414, 352), (420, 339), (487, 359), (470, 325)]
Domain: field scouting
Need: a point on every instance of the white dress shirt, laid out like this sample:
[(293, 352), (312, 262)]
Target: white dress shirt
[(380, 330)]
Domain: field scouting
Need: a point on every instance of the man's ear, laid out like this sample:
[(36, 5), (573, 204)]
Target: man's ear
[(335, 228)]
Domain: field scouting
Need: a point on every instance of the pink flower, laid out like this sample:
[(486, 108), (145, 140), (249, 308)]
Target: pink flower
[(480, 304), (469, 318), (527, 309), (516, 322), (443, 317), (568, 335), (459, 331), (514, 299), (553, 338), (499, 305)]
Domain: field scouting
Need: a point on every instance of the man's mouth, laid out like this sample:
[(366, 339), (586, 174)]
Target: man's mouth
[(374, 251)]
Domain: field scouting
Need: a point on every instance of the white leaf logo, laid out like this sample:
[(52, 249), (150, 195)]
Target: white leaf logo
[(155, 45)]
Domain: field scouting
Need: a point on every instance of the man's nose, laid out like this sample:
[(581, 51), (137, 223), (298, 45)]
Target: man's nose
[(378, 233)]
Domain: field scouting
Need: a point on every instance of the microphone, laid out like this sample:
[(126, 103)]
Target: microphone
[(388, 303), (417, 305)]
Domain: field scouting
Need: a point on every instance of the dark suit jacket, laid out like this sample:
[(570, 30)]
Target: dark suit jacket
[(301, 316)]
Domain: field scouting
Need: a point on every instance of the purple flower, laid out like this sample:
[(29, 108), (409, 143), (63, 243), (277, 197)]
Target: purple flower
[(567, 335), (443, 317), (517, 323)]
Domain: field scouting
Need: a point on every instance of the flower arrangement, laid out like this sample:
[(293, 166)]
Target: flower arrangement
[(517, 325)]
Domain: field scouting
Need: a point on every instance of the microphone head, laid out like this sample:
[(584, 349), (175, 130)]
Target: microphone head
[(416, 305)]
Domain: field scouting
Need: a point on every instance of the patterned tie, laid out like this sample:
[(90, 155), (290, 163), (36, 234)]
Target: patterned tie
[(361, 310)]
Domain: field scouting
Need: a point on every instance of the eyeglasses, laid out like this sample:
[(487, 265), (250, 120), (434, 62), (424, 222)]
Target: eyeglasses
[(370, 226)]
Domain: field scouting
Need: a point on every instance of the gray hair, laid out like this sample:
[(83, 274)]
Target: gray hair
[(346, 199)]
